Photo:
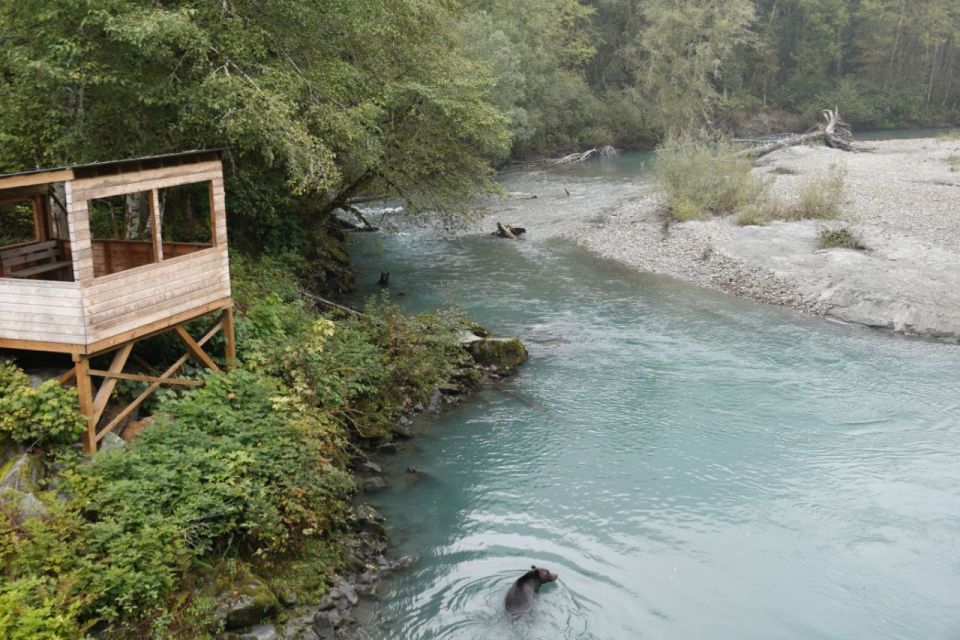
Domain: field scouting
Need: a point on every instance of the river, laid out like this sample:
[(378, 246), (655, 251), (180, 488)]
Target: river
[(692, 465)]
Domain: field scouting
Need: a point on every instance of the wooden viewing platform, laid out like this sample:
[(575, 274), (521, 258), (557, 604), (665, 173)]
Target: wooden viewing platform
[(71, 289)]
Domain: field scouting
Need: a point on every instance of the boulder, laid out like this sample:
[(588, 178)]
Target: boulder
[(111, 442), (504, 353), (369, 519), (374, 483), (261, 632), (249, 603), (21, 473)]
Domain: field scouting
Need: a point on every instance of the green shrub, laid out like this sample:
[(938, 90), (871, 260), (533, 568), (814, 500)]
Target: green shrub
[(30, 609), (11, 378), (47, 415), (237, 471), (702, 179), (840, 238), (249, 466)]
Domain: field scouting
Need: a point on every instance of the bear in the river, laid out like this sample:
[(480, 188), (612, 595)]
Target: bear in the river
[(520, 597)]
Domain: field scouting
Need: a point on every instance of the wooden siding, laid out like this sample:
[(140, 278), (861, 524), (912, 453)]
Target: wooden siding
[(42, 311), (123, 302), (93, 313), (114, 256)]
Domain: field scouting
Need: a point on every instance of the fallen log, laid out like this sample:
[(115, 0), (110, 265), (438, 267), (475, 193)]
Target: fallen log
[(366, 226), (331, 304), (508, 231), (575, 158), (834, 132)]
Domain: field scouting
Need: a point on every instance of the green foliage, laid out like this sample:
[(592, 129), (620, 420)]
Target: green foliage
[(47, 415), (839, 238), (237, 470), (315, 101), (12, 378), (250, 467), (30, 609), (702, 179), (371, 365)]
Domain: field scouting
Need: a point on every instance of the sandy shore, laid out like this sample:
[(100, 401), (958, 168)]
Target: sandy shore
[(902, 199)]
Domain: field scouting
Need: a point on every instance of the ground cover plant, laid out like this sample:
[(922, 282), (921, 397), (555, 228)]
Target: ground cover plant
[(248, 471), (840, 238)]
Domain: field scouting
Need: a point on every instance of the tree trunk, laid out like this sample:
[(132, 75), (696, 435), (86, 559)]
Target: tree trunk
[(834, 132)]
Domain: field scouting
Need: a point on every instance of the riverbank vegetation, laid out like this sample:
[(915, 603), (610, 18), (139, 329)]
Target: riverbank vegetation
[(246, 475), (842, 238)]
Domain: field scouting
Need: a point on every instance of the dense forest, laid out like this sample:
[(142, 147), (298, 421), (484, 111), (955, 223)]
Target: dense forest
[(319, 103)]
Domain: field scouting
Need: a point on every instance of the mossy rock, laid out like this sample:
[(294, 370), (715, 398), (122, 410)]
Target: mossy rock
[(21, 472), (504, 353), (243, 598)]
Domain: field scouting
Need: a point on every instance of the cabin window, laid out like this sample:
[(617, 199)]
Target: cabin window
[(122, 227), (121, 230), (16, 223), (30, 245), (187, 218)]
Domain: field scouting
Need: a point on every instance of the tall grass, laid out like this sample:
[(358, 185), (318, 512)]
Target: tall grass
[(821, 198), (703, 179)]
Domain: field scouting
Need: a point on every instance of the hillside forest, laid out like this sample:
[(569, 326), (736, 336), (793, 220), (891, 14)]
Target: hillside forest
[(319, 103)]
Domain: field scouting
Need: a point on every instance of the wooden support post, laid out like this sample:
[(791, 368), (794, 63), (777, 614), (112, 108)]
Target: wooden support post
[(164, 377), (228, 332), (155, 226), (67, 376), (85, 393), (107, 386), (39, 220), (196, 350)]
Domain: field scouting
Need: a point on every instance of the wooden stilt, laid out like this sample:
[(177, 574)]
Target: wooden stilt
[(228, 331), (164, 378), (85, 393), (94, 399), (107, 386), (67, 376)]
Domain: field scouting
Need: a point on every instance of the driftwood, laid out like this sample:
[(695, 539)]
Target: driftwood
[(508, 231), (366, 226), (834, 132), (331, 304), (575, 158)]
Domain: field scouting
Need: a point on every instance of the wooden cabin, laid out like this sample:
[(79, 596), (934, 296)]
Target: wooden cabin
[(86, 270)]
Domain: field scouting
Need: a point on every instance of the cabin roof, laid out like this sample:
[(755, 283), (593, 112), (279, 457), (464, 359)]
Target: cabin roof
[(110, 167)]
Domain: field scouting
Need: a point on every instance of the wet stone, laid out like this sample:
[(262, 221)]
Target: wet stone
[(261, 632)]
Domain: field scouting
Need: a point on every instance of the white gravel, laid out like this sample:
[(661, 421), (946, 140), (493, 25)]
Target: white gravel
[(903, 201)]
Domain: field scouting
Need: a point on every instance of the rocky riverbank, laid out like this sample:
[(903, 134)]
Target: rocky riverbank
[(902, 200), (255, 612)]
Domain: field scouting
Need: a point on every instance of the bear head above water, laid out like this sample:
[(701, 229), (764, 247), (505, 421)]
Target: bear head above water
[(520, 597)]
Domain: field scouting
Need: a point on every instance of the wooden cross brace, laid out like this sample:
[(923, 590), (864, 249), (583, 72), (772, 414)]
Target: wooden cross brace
[(94, 406)]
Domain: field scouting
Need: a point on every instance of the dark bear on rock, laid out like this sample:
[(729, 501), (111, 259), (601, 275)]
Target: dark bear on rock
[(520, 597)]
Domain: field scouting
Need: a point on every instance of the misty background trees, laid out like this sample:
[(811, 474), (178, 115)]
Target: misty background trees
[(319, 102)]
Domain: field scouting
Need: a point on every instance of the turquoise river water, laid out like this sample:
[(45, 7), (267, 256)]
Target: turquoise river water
[(691, 464)]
